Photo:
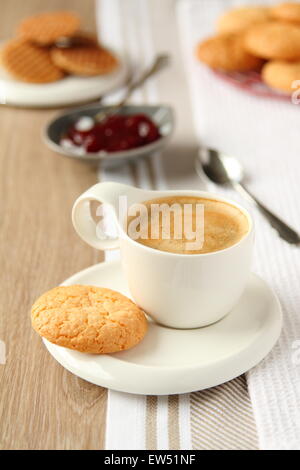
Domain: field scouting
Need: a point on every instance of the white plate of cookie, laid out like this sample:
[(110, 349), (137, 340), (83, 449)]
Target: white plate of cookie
[(256, 48), (52, 62), (100, 335)]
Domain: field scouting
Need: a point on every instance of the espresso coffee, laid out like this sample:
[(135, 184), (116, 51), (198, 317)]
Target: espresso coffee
[(186, 225)]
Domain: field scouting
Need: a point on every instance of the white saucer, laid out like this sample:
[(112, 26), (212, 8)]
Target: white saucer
[(68, 91), (170, 361)]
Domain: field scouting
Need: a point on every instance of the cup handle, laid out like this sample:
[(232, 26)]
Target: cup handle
[(105, 193), (83, 222)]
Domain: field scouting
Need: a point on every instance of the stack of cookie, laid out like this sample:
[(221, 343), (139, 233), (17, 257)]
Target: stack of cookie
[(49, 46), (257, 38)]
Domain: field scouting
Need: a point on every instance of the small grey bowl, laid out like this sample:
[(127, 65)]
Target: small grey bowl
[(161, 115)]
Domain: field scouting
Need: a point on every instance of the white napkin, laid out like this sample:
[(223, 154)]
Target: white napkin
[(125, 27), (264, 135)]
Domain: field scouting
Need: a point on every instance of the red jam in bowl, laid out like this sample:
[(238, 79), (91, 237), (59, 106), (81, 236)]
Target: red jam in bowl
[(114, 134)]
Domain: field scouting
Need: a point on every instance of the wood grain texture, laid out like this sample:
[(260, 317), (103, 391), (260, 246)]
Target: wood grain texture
[(42, 406)]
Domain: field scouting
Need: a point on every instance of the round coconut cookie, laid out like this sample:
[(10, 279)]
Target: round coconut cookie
[(288, 11), (239, 19), (281, 75), (274, 40), (227, 52), (88, 319)]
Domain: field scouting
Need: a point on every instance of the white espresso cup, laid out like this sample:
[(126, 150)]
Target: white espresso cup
[(176, 290)]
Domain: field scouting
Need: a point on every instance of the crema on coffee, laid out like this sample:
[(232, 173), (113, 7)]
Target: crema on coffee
[(186, 225)]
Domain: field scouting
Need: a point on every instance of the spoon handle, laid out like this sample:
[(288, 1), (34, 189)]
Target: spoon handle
[(159, 63), (284, 231)]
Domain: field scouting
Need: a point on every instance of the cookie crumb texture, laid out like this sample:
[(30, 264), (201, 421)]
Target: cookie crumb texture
[(88, 319)]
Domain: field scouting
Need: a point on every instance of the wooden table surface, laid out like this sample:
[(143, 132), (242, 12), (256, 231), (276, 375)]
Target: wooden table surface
[(42, 406)]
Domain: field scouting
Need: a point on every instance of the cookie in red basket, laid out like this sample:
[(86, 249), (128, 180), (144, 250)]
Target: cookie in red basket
[(274, 40), (239, 19), (280, 75), (227, 52), (288, 11)]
